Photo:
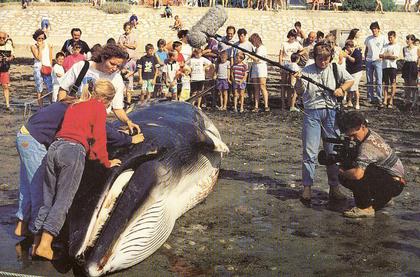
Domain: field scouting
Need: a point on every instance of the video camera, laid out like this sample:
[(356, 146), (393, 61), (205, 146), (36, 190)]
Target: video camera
[(345, 149)]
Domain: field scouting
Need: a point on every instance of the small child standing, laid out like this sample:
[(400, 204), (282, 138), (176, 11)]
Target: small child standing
[(186, 83), (82, 132), (162, 56), (147, 68), (240, 74), (171, 73), (389, 68), (127, 75), (223, 79), (293, 65), (198, 66), (58, 71)]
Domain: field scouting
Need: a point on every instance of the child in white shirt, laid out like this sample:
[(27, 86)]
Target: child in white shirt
[(58, 72)]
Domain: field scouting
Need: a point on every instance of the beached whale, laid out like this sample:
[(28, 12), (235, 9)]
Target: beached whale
[(121, 216)]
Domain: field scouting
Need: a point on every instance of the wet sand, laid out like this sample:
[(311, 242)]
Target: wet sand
[(253, 223)]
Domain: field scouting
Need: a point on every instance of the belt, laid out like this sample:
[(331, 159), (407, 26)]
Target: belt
[(24, 131), (400, 179)]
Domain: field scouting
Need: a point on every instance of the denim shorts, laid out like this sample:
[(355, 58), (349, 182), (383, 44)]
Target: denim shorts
[(222, 84)]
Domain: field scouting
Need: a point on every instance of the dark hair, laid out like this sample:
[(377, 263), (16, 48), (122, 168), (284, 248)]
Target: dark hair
[(76, 43), (319, 35), (182, 33), (111, 41), (110, 50), (392, 34), (176, 44), (241, 31), (351, 120), (148, 46), (95, 48), (232, 28), (298, 24), (75, 30), (38, 33), (59, 54), (255, 39), (411, 37), (127, 24), (161, 41), (294, 57), (241, 55), (374, 25), (352, 33), (292, 33)]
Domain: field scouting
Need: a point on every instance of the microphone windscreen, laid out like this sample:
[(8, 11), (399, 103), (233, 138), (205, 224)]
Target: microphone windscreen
[(207, 25)]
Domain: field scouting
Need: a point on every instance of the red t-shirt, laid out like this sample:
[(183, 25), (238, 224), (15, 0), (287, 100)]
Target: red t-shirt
[(180, 59), (72, 59), (85, 122)]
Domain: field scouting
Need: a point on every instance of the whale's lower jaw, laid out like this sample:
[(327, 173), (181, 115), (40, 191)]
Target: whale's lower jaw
[(148, 230)]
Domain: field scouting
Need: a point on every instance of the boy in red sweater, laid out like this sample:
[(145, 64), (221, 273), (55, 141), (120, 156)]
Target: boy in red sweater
[(82, 132)]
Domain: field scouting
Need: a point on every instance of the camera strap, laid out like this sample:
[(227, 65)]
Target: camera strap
[(75, 88)]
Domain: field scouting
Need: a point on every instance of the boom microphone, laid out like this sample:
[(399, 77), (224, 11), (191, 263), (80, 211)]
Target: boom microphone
[(207, 26)]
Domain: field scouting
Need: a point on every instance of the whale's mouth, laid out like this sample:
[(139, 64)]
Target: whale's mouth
[(116, 184)]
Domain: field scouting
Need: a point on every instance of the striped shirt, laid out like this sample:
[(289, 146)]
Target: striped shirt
[(239, 71)]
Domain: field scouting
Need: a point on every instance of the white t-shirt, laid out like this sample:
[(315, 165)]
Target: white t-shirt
[(394, 50), (375, 46), (197, 68), (245, 45), (186, 51), (57, 69), (288, 49), (222, 70), (68, 80), (410, 55), (170, 70)]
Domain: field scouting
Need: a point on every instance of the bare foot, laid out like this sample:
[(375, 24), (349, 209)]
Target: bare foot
[(45, 252), (21, 229)]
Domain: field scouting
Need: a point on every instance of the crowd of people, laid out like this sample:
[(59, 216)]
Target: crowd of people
[(87, 82), (174, 69)]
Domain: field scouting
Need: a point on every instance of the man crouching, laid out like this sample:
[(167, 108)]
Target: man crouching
[(378, 172)]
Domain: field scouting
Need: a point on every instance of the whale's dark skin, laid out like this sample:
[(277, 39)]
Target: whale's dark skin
[(176, 141)]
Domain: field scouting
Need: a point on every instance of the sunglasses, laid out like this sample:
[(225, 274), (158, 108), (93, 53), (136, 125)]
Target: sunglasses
[(2, 37)]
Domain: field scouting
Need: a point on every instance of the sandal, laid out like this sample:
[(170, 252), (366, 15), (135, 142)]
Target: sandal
[(255, 110), (267, 109), (356, 212)]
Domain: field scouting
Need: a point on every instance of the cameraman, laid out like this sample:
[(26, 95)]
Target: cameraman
[(378, 172), (6, 46), (319, 115)]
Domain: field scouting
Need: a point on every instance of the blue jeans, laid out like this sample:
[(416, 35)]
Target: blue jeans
[(40, 79), (374, 71), (65, 163), (317, 123), (31, 177)]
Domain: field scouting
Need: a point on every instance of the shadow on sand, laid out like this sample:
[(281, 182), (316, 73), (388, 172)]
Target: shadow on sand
[(280, 190)]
